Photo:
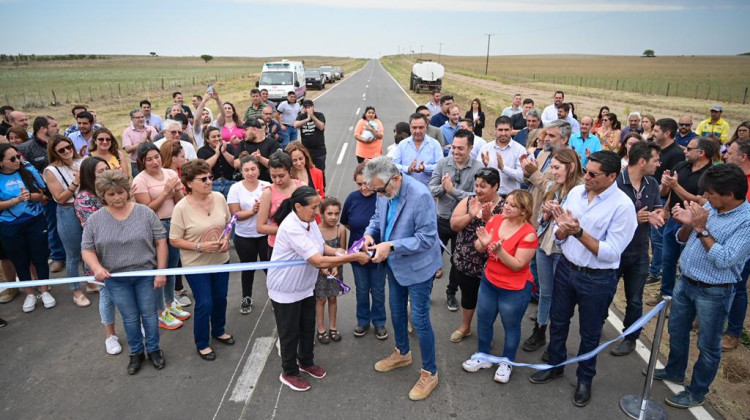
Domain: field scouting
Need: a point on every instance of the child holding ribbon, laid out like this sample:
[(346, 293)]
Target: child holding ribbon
[(327, 287)]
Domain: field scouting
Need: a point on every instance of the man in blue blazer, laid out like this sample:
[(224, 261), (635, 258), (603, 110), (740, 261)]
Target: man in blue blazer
[(406, 219)]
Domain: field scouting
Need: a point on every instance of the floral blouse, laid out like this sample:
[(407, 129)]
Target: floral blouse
[(85, 205), (466, 259)]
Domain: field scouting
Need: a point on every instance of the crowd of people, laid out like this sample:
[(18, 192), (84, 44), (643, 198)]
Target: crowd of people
[(554, 209)]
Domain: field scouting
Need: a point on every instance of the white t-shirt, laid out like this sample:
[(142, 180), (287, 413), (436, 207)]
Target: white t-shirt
[(238, 194), (295, 240), (65, 175), (189, 149)]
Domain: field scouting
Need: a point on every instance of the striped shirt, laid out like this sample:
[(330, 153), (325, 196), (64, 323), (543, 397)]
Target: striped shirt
[(124, 245), (723, 263)]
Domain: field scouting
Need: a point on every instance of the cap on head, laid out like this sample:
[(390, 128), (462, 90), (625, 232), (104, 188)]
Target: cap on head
[(717, 108), (307, 102)]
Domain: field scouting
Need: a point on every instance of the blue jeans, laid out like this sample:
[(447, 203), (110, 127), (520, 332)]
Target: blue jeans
[(592, 293), (70, 232), (25, 243), (739, 304), (546, 265), (656, 237), (633, 270), (670, 254), (57, 252), (106, 306), (370, 282), (535, 277), (164, 296), (710, 306), (419, 294), (134, 297), (222, 185), (210, 293), (134, 170), (511, 305)]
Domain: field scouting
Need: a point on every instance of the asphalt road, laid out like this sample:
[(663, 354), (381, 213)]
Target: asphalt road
[(53, 363)]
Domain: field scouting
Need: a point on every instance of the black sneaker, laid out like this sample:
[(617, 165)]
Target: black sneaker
[(452, 302), (361, 330), (4, 323), (381, 333), (651, 279), (136, 362), (157, 359), (246, 306)]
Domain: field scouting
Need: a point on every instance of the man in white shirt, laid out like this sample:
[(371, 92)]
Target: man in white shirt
[(563, 113), (504, 155), (468, 124), (515, 108), (434, 105), (287, 112), (594, 226), (550, 112), (173, 132)]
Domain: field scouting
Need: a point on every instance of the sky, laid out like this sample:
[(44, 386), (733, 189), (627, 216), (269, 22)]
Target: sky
[(357, 28)]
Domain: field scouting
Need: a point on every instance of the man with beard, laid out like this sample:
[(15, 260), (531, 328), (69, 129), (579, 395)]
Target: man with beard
[(685, 131), (312, 125), (82, 138), (504, 155), (550, 112), (256, 144)]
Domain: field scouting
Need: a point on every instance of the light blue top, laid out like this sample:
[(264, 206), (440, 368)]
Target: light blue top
[(580, 145), (434, 108), (610, 219), (449, 131), (10, 188), (430, 152), (723, 263)]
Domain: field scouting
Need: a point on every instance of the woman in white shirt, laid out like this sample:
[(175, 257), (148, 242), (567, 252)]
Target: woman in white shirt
[(251, 246), (63, 179), (291, 288)]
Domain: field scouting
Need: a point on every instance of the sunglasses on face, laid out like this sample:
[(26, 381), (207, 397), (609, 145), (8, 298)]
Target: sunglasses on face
[(685, 125), (62, 150), (593, 174), (15, 158), (104, 140), (205, 179), (381, 190)]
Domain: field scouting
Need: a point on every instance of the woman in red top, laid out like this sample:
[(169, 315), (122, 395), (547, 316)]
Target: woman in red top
[(510, 242)]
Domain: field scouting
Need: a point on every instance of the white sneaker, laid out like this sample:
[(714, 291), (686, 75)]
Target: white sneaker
[(474, 365), (29, 304), (113, 345), (183, 300), (502, 374), (176, 310), (48, 300), (168, 322)]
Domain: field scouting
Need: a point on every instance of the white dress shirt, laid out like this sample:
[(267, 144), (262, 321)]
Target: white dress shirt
[(549, 114), (610, 218), (511, 176)]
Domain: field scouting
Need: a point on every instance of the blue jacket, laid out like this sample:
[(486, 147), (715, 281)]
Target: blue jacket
[(416, 254)]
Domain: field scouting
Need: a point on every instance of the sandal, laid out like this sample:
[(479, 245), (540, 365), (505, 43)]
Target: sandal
[(323, 338), (335, 336)]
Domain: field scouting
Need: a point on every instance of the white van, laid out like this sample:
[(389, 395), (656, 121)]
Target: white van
[(281, 77)]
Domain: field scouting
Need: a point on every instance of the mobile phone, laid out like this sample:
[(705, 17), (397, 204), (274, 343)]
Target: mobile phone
[(210, 88)]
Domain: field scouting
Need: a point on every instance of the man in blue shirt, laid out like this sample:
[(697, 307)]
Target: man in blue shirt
[(585, 143), (417, 155), (82, 138), (434, 105), (440, 118), (450, 127), (685, 131), (716, 246)]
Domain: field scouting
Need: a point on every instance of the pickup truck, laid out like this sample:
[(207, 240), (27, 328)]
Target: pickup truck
[(315, 78)]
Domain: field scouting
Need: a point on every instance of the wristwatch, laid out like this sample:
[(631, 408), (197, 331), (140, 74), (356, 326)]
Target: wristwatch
[(578, 234), (703, 233)]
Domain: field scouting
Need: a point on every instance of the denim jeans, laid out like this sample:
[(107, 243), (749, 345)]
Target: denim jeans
[(419, 294), (295, 323), (369, 283), (670, 254), (57, 252), (592, 293), (633, 270), (656, 238), (134, 297), (710, 306), (210, 293), (70, 232), (511, 305), (164, 296), (134, 170), (545, 265), (739, 304), (222, 185), (25, 243), (106, 306)]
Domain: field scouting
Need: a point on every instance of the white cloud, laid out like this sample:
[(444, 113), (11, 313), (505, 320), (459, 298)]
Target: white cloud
[(539, 6)]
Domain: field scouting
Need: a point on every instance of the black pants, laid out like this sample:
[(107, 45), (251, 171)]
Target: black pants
[(360, 159), (446, 234), (469, 288), (295, 323), (250, 250)]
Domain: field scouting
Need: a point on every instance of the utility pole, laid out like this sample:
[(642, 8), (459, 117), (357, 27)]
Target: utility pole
[(420, 51), (487, 63), (440, 50)]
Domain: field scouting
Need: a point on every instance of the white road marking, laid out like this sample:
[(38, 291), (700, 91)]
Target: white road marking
[(278, 397), (338, 84), (254, 365), (366, 86), (341, 156), (644, 352), (363, 95), (357, 111), (351, 128)]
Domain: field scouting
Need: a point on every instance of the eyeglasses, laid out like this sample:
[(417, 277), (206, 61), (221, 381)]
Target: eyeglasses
[(62, 150), (104, 140), (458, 177), (685, 125), (691, 148), (381, 190), (593, 174), (18, 158), (205, 179), (175, 132)]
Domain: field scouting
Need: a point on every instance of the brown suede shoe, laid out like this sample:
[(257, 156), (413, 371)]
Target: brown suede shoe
[(729, 343), (424, 386), (394, 361)]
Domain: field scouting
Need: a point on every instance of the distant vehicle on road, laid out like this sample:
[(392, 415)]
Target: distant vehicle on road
[(315, 78), (282, 77), (329, 72), (427, 75), (340, 72)]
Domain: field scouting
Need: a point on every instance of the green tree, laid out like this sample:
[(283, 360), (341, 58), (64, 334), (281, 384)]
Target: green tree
[(649, 53), (153, 54), (207, 57)]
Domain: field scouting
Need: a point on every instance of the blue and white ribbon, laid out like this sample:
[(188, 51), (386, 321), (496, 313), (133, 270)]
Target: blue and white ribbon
[(222, 268), (542, 366)]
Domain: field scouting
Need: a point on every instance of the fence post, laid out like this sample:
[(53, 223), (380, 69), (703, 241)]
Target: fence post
[(744, 100), (696, 90), (709, 91), (119, 89), (91, 94), (668, 84), (79, 94), (617, 86), (162, 84)]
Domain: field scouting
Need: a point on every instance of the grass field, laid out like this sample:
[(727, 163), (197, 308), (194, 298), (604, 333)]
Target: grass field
[(720, 79), (115, 85)]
